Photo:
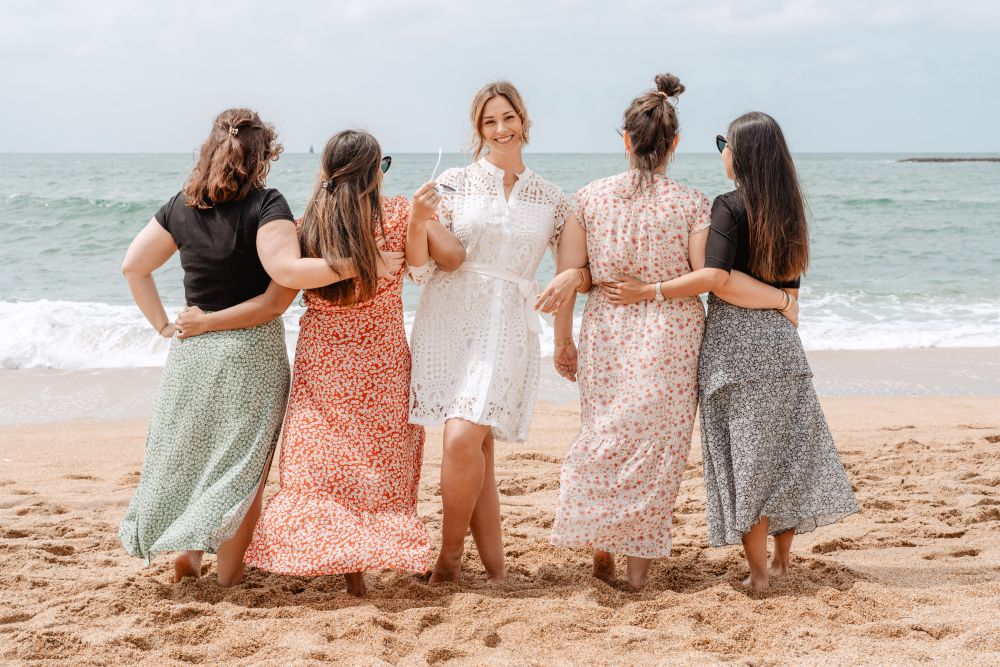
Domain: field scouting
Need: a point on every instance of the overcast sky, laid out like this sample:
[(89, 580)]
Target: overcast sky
[(840, 75)]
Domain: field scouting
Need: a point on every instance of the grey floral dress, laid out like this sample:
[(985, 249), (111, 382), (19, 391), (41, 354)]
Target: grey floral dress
[(766, 446)]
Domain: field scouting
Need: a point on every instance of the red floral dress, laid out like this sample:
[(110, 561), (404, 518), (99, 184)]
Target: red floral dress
[(350, 459)]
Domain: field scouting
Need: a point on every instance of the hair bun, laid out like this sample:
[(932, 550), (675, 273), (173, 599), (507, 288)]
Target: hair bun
[(668, 84)]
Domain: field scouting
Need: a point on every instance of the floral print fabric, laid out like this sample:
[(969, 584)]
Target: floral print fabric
[(766, 446), (216, 419), (350, 461), (637, 372)]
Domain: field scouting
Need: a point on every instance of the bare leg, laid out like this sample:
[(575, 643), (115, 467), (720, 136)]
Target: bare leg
[(187, 564), (782, 553), (604, 565), (356, 584), (485, 521), (637, 570), (230, 556), (463, 467), (755, 548)]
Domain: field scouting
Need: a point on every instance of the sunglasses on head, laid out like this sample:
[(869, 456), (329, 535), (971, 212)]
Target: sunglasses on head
[(720, 142), (386, 163)]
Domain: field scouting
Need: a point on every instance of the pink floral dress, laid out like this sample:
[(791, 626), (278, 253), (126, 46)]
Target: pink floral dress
[(350, 459), (638, 371)]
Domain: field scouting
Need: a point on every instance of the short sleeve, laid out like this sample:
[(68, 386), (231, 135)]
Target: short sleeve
[(454, 178), (720, 251), (580, 202), (701, 214), (273, 207), (395, 216), (562, 213), (163, 215)]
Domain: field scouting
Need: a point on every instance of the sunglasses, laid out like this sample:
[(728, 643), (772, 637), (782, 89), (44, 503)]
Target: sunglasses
[(386, 163), (720, 142)]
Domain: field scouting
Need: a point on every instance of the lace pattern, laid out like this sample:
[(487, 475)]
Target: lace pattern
[(473, 356)]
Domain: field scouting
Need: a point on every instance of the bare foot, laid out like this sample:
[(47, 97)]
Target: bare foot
[(497, 578), (604, 566), (187, 564), (777, 568), (756, 587), (356, 584), (445, 571)]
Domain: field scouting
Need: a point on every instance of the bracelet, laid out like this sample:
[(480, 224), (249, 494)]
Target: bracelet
[(563, 342), (583, 279), (786, 303), (160, 330), (658, 296)]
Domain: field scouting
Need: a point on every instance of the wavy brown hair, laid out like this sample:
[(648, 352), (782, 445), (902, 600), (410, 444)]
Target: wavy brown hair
[(234, 160), (506, 90), (344, 213), (651, 124), (769, 187)]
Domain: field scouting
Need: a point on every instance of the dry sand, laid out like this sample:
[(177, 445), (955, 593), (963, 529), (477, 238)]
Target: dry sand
[(914, 578)]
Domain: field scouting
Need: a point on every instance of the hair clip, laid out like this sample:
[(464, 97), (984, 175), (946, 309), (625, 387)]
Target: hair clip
[(233, 131), (328, 185)]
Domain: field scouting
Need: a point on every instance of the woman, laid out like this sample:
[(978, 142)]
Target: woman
[(220, 402), (475, 336), (350, 461), (638, 362), (770, 462)]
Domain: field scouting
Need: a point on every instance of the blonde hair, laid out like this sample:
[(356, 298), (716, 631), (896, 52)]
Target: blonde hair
[(506, 90)]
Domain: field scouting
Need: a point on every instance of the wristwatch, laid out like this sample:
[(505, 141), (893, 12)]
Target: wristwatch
[(659, 292)]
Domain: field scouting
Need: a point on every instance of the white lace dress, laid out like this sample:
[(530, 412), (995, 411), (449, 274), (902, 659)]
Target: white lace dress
[(475, 335)]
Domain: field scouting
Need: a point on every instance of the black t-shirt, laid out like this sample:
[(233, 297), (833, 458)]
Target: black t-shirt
[(218, 246), (729, 238)]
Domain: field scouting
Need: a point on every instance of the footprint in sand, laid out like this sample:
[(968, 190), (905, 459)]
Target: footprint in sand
[(14, 534), (89, 478), (839, 544)]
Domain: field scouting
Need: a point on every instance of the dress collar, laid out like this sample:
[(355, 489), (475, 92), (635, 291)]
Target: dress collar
[(497, 171)]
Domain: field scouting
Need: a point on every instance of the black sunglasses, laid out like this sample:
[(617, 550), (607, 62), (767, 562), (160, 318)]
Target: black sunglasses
[(386, 163), (720, 142)]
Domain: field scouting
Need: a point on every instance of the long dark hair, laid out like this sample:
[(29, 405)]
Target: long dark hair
[(651, 124), (767, 182), (344, 213), (234, 160)]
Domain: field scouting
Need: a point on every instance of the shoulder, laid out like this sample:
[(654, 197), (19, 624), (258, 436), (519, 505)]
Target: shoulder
[(687, 193), (731, 201), (395, 209), (551, 193), (173, 208)]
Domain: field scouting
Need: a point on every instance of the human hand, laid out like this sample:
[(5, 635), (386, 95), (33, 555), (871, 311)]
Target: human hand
[(168, 330), (792, 312), (389, 263), (192, 321), (560, 288), (564, 359), (627, 291), (425, 202)]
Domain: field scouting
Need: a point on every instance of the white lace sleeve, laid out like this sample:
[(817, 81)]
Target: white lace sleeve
[(421, 275), (564, 209)]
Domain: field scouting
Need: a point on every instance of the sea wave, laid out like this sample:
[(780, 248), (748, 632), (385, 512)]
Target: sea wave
[(73, 334)]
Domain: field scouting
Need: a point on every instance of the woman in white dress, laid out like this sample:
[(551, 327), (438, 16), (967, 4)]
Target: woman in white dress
[(475, 337)]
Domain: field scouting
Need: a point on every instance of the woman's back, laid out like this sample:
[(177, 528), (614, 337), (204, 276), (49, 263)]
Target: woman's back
[(642, 235), (218, 246)]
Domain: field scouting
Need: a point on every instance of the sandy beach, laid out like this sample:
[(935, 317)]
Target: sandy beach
[(913, 578)]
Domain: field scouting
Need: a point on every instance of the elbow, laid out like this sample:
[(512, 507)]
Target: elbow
[(718, 280), (131, 270), (451, 260)]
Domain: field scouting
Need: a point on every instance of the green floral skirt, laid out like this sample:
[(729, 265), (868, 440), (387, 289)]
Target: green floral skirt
[(216, 418)]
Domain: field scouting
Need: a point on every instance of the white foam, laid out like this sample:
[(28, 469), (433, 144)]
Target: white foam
[(72, 335)]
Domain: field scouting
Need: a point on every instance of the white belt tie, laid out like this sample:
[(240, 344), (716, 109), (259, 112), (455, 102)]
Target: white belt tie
[(528, 287)]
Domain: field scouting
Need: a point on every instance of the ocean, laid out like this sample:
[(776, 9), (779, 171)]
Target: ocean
[(904, 255)]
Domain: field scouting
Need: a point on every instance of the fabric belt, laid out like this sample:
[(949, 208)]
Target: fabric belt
[(528, 287)]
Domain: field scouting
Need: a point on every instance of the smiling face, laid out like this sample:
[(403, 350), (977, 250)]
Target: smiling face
[(501, 127)]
